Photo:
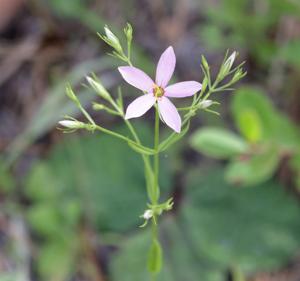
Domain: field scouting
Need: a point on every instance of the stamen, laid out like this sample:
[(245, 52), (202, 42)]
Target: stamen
[(158, 92)]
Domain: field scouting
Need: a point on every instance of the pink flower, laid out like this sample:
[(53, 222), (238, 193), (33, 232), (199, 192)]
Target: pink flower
[(158, 91)]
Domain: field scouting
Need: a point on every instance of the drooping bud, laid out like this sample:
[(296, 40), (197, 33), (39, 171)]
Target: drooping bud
[(98, 87)]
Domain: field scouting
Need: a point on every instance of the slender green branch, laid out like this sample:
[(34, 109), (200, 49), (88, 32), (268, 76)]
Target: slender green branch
[(156, 155)]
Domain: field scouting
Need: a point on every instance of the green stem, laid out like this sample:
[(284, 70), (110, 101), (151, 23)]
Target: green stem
[(155, 182), (114, 134), (156, 156)]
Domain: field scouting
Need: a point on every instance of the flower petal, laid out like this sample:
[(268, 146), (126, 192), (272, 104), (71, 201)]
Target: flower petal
[(183, 89), (165, 67), (169, 114), (140, 106), (136, 78)]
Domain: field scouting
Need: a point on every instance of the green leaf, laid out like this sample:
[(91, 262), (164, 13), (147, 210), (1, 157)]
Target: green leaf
[(274, 126), (155, 258), (258, 168), (45, 219), (250, 125), (263, 115), (129, 264), (218, 227), (56, 259), (36, 190), (256, 229), (100, 173), (217, 142)]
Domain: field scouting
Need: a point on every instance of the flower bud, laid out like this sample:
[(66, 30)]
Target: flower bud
[(225, 68), (128, 32), (71, 124), (239, 74), (205, 104), (71, 94), (98, 106), (148, 214), (112, 40), (229, 62), (98, 87), (205, 63)]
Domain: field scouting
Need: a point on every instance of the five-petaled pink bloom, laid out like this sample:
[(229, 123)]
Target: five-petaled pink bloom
[(158, 91)]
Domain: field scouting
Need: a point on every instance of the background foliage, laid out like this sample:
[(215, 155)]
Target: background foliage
[(70, 204)]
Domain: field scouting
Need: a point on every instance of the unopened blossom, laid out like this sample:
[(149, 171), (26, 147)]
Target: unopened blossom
[(148, 214), (158, 92), (71, 124)]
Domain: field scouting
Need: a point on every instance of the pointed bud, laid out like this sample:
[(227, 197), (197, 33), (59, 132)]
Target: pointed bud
[(226, 67), (71, 124), (204, 63), (112, 40), (239, 74), (71, 94), (98, 87), (98, 106), (205, 104), (128, 32), (229, 62)]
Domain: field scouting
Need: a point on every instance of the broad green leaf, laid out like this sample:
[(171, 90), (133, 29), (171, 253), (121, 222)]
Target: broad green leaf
[(256, 229), (274, 126), (255, 169), (217, 142), (45, 219), (99, 172), (250, 125), (56, 259), (180, 262), (253, 100), (218, 227), (38, 191)]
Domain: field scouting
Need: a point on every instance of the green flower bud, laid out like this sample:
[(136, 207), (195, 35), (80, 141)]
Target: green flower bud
[(98, 106), (128, 32), (71, 124), (225, 68), (98, 87), (71, 94), (204, 63), (239, 74), (205, 104), (112, 40)]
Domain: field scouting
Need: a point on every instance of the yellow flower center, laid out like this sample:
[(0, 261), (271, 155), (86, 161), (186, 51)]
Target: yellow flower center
[(158, 92)]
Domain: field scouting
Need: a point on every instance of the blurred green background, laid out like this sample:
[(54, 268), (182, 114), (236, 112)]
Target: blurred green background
[(70, 204)]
